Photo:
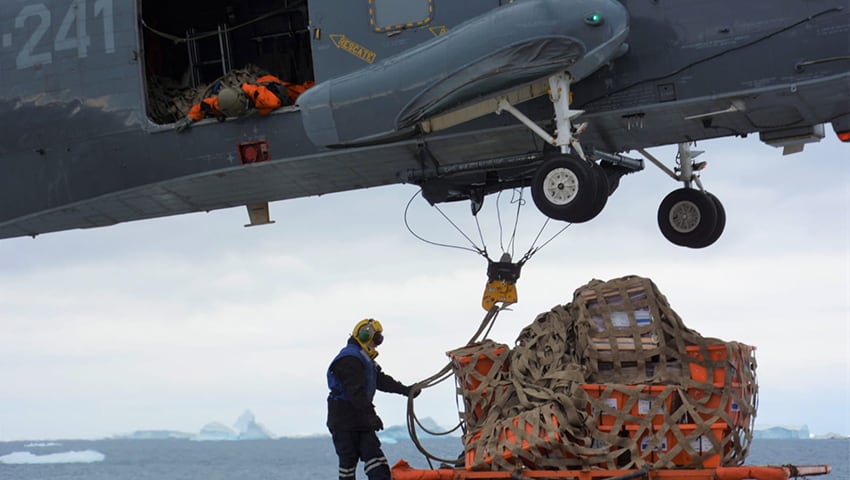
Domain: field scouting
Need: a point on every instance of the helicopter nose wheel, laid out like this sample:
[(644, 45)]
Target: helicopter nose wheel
[(569, 189), (691, 218)]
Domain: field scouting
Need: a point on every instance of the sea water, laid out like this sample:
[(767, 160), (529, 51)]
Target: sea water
[(301, 459)]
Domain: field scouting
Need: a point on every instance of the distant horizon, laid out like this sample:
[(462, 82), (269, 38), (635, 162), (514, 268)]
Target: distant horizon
[(812, 435)]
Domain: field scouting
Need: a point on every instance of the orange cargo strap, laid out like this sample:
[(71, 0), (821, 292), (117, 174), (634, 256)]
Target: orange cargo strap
[(757, 473)]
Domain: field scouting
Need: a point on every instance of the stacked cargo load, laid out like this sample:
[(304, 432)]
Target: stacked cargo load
[(612, 380)]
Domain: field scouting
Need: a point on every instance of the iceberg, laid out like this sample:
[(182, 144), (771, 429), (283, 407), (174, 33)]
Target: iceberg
[(248, 429), (782, 431), (396, 433), (215, 431), (20, 458), (245, 428)]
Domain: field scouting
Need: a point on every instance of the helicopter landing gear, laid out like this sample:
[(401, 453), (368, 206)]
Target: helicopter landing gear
[(567, 186), (570, 189), (689, 217)]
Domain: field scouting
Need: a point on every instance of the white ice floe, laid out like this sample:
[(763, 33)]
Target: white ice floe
[(86, 456), (42, 444)]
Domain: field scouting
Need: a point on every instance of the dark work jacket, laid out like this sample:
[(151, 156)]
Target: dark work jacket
[(353, 349), (354, 411)]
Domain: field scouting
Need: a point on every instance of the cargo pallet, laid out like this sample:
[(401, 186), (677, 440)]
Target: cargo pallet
[(403, 471)]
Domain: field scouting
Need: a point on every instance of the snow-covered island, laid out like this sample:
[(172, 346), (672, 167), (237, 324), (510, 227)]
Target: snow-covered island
[(792, 432), (782, 432)]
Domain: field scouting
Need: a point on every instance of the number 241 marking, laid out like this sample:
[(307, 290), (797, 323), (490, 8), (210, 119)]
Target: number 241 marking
[(72, 33)]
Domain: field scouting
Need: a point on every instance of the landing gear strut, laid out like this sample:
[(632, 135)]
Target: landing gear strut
[(567, 186), (689, 217)]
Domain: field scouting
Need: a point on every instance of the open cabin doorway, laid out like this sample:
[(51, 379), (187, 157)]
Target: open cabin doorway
[(189, 45)]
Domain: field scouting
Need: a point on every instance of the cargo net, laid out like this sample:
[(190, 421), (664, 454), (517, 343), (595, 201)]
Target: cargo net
[(612, 380)]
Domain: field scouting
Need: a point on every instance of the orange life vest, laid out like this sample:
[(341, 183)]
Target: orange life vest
[(207, 108), (270, 92), (267, 94)]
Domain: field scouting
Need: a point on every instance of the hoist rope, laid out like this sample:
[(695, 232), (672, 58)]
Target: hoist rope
[(437, 378), (489, 319)]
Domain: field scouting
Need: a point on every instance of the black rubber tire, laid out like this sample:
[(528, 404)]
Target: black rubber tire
[(601, 197), (718, 226), (564, 188), (687, 217)]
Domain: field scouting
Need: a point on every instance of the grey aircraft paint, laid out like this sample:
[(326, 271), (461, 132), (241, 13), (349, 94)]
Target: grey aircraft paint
[(79, 146)]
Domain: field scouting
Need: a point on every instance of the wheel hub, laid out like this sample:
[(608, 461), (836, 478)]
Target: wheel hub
[(685, 217), (560, 186)]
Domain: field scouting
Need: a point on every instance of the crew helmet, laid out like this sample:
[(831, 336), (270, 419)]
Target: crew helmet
[(232, 102), (369, 334)]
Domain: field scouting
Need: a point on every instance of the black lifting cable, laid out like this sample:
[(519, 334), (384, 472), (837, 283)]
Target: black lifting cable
[(520, 202), (474, 249), (518, 199), (444, 374)]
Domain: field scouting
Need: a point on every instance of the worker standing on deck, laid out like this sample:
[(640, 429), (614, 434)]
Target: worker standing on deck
[(353, 378), (266, 94)]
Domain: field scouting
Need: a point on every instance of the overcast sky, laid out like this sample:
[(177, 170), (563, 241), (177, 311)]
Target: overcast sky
[(173, 323)]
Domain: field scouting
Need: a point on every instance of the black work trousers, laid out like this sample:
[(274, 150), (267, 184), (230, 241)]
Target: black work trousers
[(352, 446)]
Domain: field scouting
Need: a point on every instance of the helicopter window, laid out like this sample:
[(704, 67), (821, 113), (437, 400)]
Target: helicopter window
[(191, 45), (389, 15)]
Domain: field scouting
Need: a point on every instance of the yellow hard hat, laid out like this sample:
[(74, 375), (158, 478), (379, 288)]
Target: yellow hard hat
[(369, 334)]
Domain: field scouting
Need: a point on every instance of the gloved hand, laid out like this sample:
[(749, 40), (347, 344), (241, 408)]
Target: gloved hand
[(413, 391), (375, 423), (183, 124)]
